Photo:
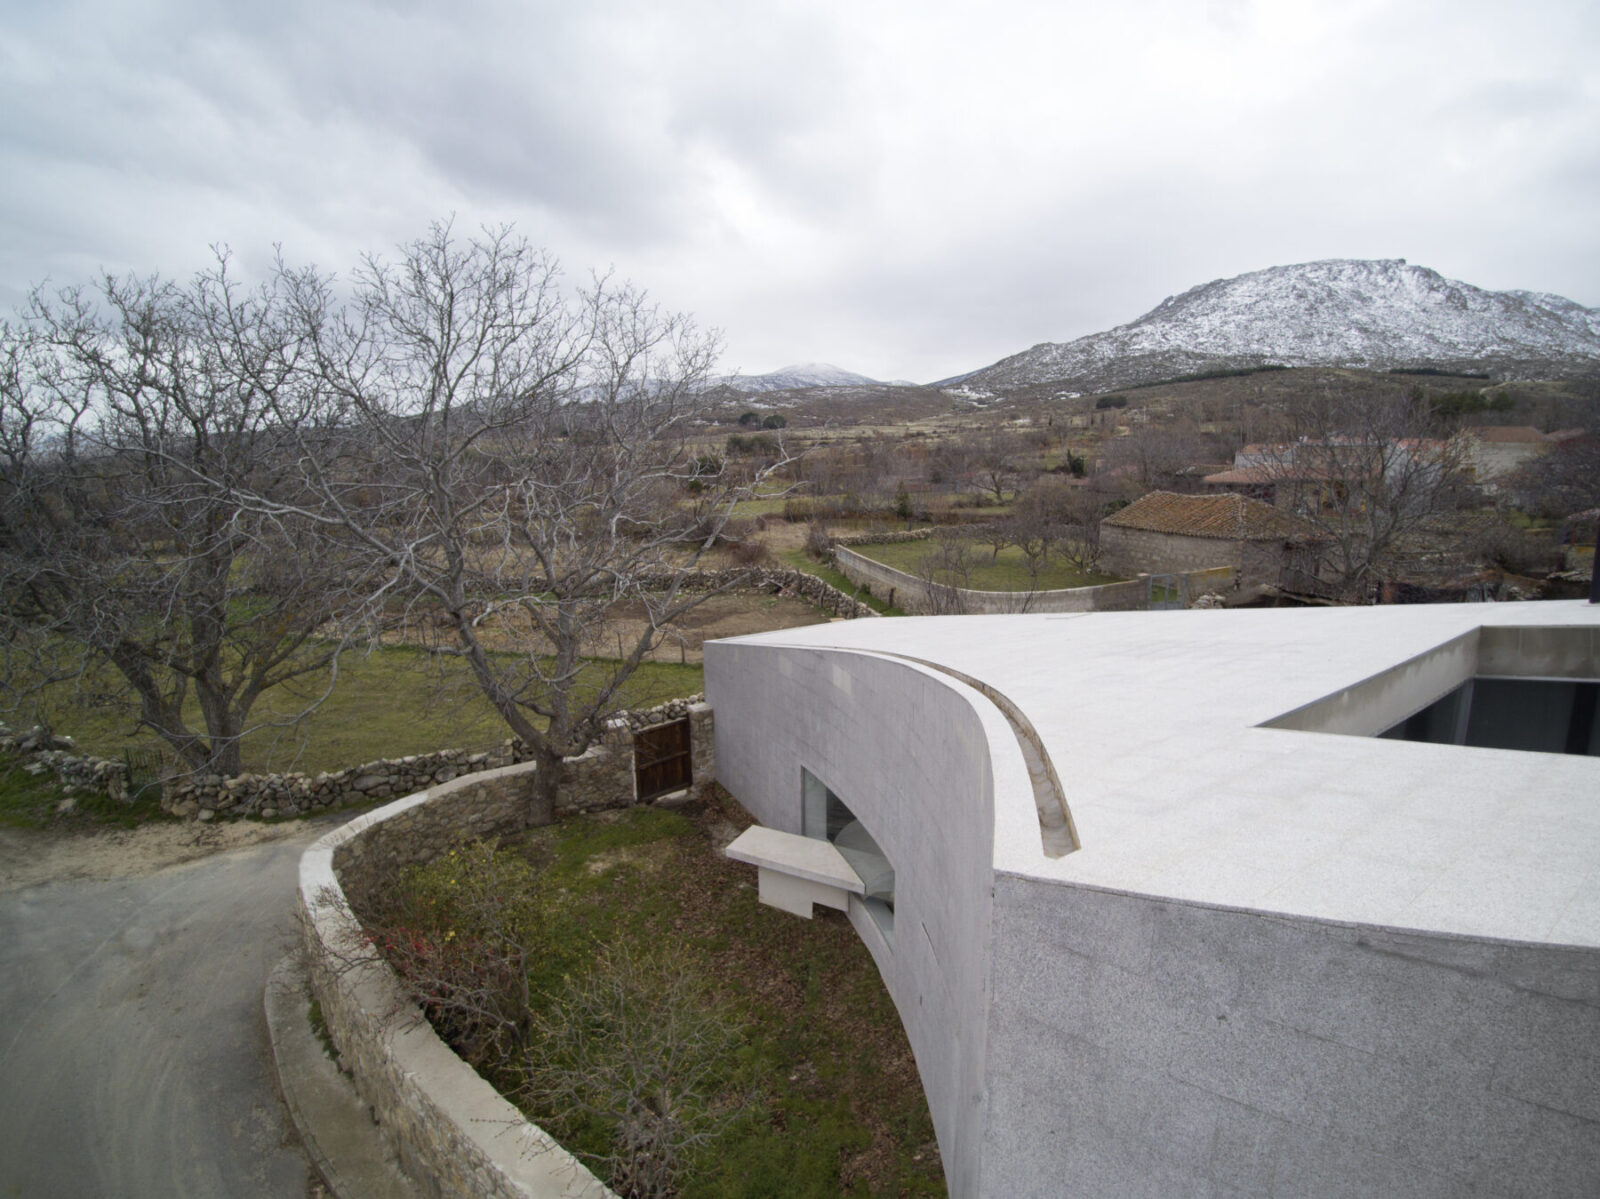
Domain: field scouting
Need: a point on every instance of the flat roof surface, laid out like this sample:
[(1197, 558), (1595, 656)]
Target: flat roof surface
[(1151, 720)]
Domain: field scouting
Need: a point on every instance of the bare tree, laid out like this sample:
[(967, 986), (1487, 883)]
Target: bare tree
[(129, 413), (1561, 482), (946, 570), (995, 457), (1154, 457), (1369, 473), (516, 463)]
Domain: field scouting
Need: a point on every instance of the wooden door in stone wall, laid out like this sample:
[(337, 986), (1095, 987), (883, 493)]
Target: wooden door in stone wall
[(662, 759)]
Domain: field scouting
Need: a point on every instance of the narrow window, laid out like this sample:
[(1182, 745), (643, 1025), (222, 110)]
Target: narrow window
[(823, 815)]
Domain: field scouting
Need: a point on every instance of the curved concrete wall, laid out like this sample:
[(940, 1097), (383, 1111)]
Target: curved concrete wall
[(911, 593), (1075, 1039), (920, 759)]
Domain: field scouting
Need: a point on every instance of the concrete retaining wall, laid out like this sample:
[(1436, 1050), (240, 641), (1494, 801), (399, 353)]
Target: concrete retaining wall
[(914, 595)]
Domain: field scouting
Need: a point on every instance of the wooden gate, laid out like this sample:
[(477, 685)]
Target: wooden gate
[(662, 759)]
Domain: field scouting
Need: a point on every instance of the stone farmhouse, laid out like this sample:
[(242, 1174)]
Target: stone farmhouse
[(1288, 901), (1163, 533)]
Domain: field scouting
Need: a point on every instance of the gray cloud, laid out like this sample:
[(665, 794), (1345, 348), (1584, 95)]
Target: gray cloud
[(905, 188)]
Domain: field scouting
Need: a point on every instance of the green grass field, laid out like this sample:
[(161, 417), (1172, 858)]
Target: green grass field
[(384, 704), (1007, 573)]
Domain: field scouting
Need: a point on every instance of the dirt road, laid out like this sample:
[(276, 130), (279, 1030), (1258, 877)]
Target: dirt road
[(133, 1053)]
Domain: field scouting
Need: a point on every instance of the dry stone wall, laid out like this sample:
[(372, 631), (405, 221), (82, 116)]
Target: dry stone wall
[(602, 777), (40, 752), (452, 1133), (896, 537), (773, 579)]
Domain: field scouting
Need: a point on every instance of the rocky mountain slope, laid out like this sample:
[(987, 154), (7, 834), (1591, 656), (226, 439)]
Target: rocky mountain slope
[(1378, 314)]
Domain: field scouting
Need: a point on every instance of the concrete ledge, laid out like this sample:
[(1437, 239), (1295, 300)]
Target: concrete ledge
[(795, 872)]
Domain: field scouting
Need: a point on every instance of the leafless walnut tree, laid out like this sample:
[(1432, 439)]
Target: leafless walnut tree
[(516, 463), (129, 414), (946, 569), (1369, 472)]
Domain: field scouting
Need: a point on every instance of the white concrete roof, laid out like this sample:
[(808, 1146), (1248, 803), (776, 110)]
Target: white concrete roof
[(1151, 720)]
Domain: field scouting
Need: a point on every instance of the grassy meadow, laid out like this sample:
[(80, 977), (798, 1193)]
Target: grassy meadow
[(385, 703)]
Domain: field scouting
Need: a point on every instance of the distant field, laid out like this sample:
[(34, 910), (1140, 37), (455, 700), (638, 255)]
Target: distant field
[(1008, 572)]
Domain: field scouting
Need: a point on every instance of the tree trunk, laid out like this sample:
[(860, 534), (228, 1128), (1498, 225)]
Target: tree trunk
[(546, 787)]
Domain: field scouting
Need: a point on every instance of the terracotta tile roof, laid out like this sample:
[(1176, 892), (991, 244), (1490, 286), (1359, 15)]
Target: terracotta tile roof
[(1507, 433), (1228, 517), (1244, 474)]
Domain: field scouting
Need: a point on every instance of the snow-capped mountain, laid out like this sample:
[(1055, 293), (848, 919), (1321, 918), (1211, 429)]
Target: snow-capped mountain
[(805, 374), (1378, 314)]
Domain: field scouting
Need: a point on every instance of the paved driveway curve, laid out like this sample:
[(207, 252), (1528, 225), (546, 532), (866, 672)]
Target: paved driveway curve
[(133, 1051)]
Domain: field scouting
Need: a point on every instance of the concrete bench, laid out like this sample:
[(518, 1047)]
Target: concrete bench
[(795, 872)]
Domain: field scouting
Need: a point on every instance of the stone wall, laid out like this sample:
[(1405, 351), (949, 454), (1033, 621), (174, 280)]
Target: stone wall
[(452, 1133), (887, 538), (594, 780), (772, 579), (1135, 551), (39, 752), (1130, 551)]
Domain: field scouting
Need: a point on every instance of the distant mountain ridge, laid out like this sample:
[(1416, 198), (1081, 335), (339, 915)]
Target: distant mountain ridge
[(1378, 314), (804, 374)]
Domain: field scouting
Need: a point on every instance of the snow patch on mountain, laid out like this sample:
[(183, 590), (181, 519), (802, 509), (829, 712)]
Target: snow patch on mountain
[(1375, 314), (804, 374)]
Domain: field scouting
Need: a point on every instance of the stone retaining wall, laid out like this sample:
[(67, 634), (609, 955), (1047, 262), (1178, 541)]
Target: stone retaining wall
[(453, 1134), (886, 538)]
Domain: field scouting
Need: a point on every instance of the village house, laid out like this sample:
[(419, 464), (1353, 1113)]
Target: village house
[(1163, 533)]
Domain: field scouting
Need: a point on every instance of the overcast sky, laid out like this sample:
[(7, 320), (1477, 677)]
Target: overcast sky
[(906, 189)]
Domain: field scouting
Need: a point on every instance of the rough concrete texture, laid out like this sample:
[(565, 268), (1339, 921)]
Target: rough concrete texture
[(908, 751), (1218, 1052)]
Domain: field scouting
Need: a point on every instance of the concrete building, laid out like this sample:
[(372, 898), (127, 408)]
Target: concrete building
[(1169, 903), (1164, 532)]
